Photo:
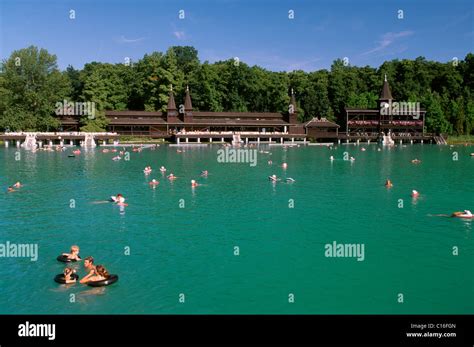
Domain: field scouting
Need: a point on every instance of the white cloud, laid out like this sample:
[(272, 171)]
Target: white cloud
[(387, 40), (123, 39), (180, 35)]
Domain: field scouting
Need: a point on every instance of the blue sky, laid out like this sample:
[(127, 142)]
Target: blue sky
[(258, 32)]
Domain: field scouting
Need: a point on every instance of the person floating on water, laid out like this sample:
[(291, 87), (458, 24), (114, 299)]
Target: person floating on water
[(162, 169), (273, 178), (270, 162), (89, 265), (118, 199), (331, 158), (171, 177), (116, 158), (465, 214), (68, 272), (416, 161), (17, 185), (101, 274), (284, 165), (74, 254), (388, 183), (147, 170), (194, 183), (153, 182), (204, 173), (414, 194)]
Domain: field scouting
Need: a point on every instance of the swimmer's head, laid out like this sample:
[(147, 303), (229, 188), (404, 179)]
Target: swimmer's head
[(102, 271), (68, 271), (88, 261), (74, 249)]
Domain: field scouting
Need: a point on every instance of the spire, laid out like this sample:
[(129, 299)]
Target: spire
[(188, 106), (293, 100), (385, 94), (171, 103)]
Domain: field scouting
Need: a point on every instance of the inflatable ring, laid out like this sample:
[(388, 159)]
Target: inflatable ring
[(64, 259), (111, 280), (60, 278)]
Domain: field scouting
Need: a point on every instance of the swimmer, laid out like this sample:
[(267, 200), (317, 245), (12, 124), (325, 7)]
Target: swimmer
[(162, 169), (105, 151), (388, 183), (11, 190), (331, 158), (120, 200), (17, 185), (416, 161), (171, 177), (414, 194), (284, 165), (147, 170), (101, 274), (290, 180), (465, 214), (270, 162), (68, 272), (204, 173), (362, 149), (194, 183), (472, 154), (77, 152), (352, 159), (273, 178), (74, 254), (153, 182), (89, 265), (117, 158), (113, 150)]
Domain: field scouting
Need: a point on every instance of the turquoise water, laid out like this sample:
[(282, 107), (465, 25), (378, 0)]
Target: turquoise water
[(190, 250)]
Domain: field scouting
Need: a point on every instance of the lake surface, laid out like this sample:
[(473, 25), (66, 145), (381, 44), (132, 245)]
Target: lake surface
[(182, 240)]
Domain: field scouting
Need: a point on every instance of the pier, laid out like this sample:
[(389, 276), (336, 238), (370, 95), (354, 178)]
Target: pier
[(40, 139)]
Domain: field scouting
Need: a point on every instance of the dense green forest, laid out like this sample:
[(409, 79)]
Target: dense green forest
[(31, 84)]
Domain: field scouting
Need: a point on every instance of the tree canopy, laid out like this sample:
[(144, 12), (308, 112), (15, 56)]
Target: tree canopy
[(31, 84)]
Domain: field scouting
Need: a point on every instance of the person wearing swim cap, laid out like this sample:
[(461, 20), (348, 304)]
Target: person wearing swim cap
[(194, 183)]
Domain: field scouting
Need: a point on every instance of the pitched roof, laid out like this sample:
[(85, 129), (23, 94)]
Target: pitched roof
[(171, 103), (385, 94), (188, 106), (320, 123)]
